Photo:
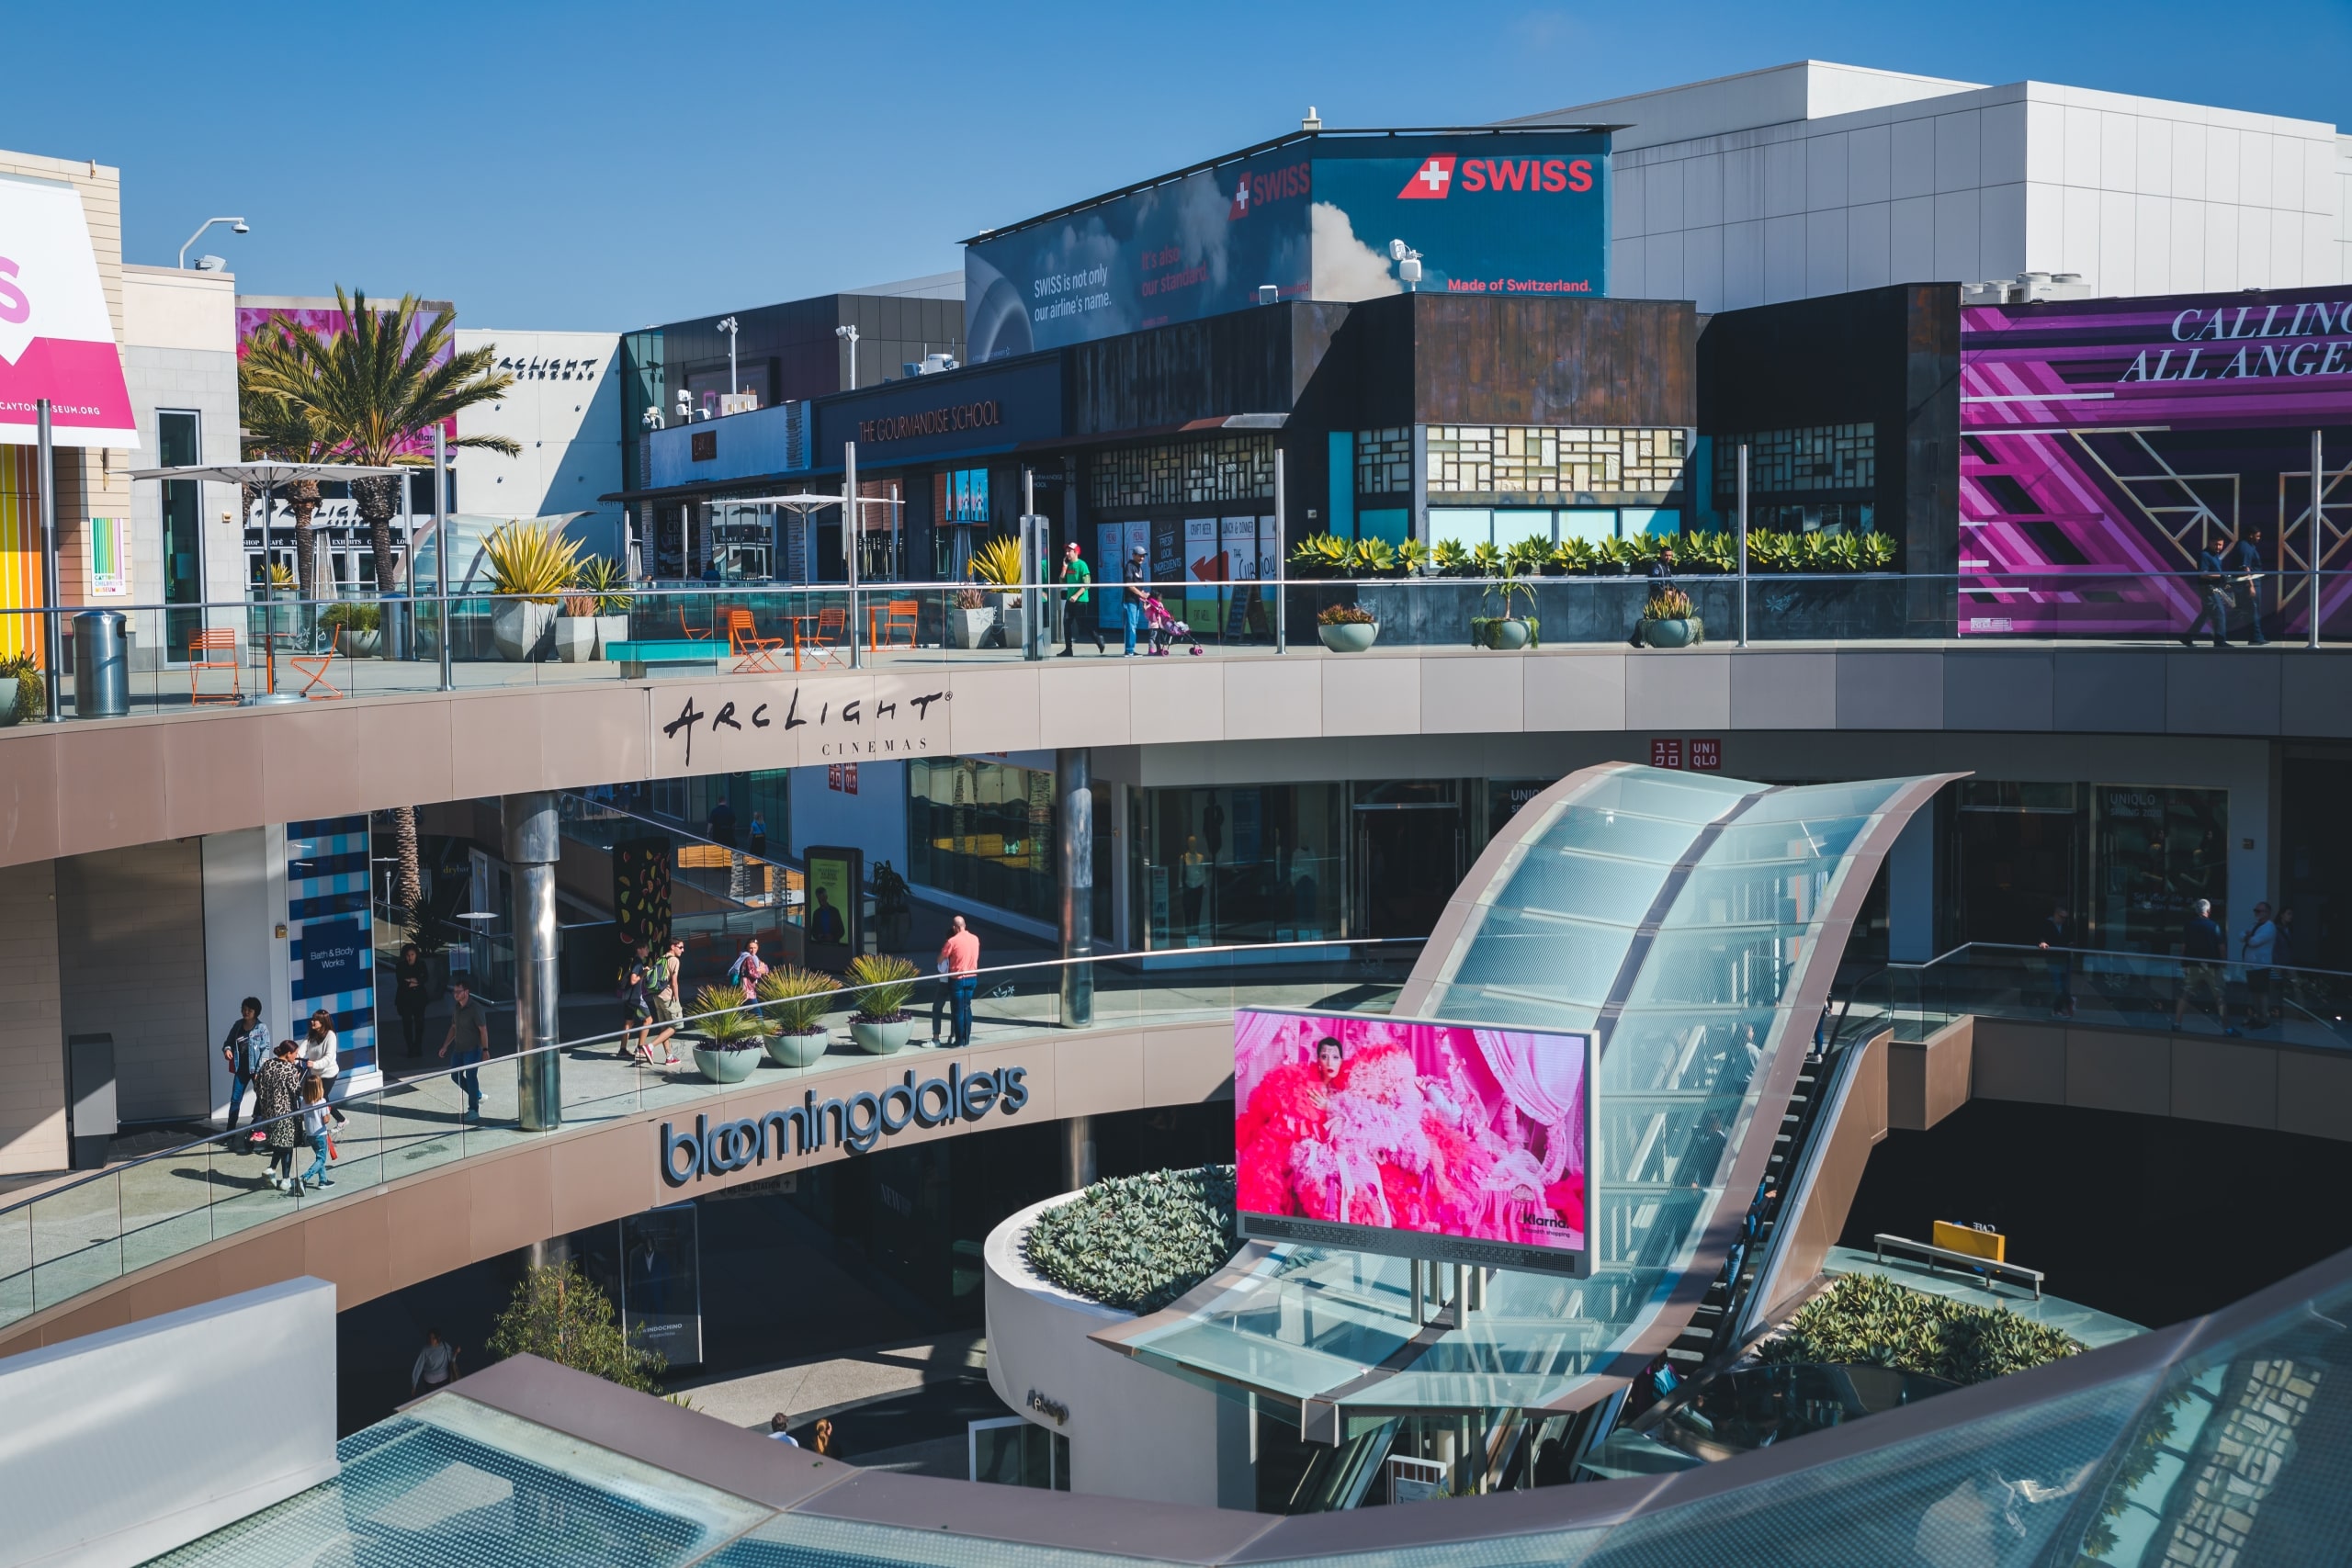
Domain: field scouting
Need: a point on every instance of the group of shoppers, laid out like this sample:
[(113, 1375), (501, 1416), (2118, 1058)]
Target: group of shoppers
[(2223, 567), (294, 1087), (2266, 956), (1134, 595)]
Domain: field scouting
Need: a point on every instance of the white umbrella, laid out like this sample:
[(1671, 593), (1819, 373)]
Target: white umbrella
[(268, 473)]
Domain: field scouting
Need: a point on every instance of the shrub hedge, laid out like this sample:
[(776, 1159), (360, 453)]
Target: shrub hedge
[(1870, 1319), (1137, 1242)]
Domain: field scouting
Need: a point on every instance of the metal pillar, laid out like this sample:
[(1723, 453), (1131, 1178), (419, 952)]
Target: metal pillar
[(51, 663), (2319, 492), (1078, 1153), (446, 622), (1074, 806), (1743, 544), (851, 525), (1282, 554), (533, 846)]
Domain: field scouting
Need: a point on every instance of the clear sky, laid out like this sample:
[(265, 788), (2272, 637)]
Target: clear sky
[(596, 165)]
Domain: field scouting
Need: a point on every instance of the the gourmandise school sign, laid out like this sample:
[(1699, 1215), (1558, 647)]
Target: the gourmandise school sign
[(856, 1123)]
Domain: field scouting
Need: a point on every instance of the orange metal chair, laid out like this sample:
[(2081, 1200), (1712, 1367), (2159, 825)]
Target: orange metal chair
[(753, 654), (885, 624), (214, 640), (691, 635), (823, 643), (315, 666)]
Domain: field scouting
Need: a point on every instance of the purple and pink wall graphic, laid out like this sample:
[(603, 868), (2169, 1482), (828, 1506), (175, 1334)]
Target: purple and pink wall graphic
[(2105, 442)]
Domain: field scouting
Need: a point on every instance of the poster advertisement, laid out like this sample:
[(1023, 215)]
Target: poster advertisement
[(1327, 217), (1115, 544), (107, 546), (832, 925), (56, 334), (329, 936), (2105, 443), (1453, 1142), (662, 1282)]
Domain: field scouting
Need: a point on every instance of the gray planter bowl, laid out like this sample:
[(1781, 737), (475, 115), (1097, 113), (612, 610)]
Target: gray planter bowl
[(1349, 637), (725, 1067), (798, 1050), (1670, 634), (878, 1039)]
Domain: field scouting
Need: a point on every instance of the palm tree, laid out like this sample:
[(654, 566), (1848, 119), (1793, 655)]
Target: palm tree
[(369, 391), (275, 426)]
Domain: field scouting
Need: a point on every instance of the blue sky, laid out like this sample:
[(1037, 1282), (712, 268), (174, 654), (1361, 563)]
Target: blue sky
[(599, 166)]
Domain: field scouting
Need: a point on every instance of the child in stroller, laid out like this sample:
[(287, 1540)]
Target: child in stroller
[(1164, 628)]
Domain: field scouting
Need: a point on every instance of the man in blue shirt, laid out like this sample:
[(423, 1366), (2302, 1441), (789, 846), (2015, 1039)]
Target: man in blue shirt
[(2213, 593), (245, 1048), (2203, 948), (2245, 565)]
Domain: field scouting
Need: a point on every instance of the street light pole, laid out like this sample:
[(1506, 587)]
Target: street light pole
[(849, 335), (441, 550), (49, 643), (734, 383), (2319, 492), (237, 226), (849, 541), (1743, 544)]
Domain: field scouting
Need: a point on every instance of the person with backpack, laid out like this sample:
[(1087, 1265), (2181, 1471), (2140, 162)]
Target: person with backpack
[(745, 972), (244, 1048)]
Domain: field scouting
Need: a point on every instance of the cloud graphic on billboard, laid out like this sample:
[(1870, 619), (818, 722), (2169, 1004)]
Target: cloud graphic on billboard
[(1345, 267)]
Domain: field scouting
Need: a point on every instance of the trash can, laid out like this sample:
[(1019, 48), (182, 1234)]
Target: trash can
[(101, 665)]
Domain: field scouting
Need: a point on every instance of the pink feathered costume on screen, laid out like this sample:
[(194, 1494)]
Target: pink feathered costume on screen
[(1422, 1127)]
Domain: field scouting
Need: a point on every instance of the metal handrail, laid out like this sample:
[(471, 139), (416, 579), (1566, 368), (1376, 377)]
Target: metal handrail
[(1881, 1242), (589, 1041)]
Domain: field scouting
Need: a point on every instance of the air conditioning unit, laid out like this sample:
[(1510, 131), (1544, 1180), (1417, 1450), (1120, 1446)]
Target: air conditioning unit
[(933, 364)]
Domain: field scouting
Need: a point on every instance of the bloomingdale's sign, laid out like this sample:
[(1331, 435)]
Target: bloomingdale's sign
[(856, 1123)]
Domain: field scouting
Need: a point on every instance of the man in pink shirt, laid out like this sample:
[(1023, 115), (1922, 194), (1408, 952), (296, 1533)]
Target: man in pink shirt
[(959, 960)]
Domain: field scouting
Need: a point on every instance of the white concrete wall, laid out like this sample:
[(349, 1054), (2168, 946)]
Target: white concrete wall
[(130, 964), (122, 1445), (1791, 184), (32, 1030), (565, 411), (244, 899), (1133, 1432), (873, 820), (180, 353)]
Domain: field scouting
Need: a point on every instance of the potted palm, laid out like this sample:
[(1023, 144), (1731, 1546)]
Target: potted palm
[(797, 1002), (1507, 632), (1666, 620), (884, 984), (531, 564), (997, 564), (1347, 628), (968, 618), (728, 1033), (360, 628), (603, 579)]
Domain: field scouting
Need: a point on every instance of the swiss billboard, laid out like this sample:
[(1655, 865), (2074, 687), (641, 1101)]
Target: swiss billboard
[(1320, 217), (56, 338), (2106, 442), (1453, 1141)]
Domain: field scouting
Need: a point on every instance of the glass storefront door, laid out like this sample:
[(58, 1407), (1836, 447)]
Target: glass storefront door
[(183, 506), (1408, 856), (2018, 852)]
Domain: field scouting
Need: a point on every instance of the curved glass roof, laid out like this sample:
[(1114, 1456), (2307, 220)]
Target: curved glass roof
[(1680, 916)]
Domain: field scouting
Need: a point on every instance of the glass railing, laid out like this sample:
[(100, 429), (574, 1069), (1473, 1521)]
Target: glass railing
[(93, 1229), (277, 647), (2118, 990)]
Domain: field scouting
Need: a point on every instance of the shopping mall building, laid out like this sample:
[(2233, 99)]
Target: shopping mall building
[(1874, 873)]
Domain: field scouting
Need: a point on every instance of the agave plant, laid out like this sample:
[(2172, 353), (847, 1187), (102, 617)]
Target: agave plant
[(796, 999), (1372, 558), (884, 981), (1708, 549), (1412, 556), (532, 560), (1526, 557), (1485, 559), (1666, 604), (726, 1019), (1769, 551), (1877, 551), (601, 578), (1320, 554), (1451, 559), (1572, 556), (998, 562)]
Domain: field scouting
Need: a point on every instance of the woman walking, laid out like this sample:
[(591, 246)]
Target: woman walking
[(409, 978), (277, 1094), (314, 1131), (319, 1058)]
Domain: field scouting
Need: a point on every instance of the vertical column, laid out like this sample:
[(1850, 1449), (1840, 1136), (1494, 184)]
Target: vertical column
[(1078, 1153), (1074, 806), (533, 846)]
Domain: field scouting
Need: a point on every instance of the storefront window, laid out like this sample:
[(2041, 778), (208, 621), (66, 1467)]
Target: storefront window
[(2157, 851), (984, 832), (1261, 864)]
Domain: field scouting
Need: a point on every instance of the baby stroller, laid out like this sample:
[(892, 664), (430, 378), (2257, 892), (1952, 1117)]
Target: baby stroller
[(1164, 628)]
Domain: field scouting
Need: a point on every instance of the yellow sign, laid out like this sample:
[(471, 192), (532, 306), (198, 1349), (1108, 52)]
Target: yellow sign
[(1990, 1245)]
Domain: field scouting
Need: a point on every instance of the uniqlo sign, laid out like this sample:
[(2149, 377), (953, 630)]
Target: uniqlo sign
[(1706, 756), (1666, 754)]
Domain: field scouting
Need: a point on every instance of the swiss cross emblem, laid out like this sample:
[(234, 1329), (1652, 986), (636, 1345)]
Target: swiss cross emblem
[(1430, 181)]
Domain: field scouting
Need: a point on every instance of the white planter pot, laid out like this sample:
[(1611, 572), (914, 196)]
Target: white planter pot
[(967, 628), (525, 632), (878, 1039), (575, 639), (610, 629), (362, 645)]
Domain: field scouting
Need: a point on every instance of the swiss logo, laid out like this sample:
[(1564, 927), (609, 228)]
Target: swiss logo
[(1431, 181)]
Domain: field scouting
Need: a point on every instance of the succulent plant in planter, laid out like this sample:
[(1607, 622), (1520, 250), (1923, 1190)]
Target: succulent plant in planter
[(884, 983), (1451, 559), (1319, 554), (1372, 558), (531, 565), (23, 693), (357, 630), (729, 1034), (1137, 1242), (1666, 620), (1527, 557), (1412, 557), (797, 1001), (1346, 628), (1509, 631)]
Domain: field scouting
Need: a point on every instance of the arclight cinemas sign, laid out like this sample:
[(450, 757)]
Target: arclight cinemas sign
[(856, 1122)]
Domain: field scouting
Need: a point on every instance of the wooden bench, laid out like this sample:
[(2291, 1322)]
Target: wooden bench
[(636, 659)]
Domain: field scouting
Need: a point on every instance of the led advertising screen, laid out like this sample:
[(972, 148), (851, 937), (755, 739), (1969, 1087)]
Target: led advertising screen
[(1453, 1141), (1322, 218), (2106, 442)]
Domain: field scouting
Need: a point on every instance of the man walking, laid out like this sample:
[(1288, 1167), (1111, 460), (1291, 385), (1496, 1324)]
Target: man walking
[(2202, 949), (2257, 950), (959, 960), (2213, 592), (1076, 594), (245, 1048), (2055, 935), (2246, 563), (1132, 595), (470, 1034)]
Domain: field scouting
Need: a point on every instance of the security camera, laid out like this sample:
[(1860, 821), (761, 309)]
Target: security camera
[(1395, 249)]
